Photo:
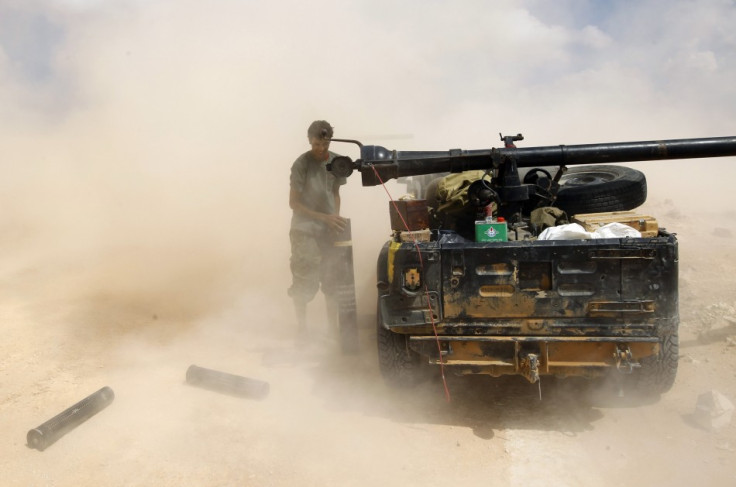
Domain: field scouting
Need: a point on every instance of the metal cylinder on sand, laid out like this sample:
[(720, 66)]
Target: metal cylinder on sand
[(223, 382), (49, 432)]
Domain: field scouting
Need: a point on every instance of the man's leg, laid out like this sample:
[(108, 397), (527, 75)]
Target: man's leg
[(332, 313), (300, 308), (305, 263), (328, 281)]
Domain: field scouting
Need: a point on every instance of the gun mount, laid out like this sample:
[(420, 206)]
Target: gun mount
[(378, 164)]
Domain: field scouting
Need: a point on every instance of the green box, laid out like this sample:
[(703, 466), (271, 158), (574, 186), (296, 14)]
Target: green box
[(486, 231)]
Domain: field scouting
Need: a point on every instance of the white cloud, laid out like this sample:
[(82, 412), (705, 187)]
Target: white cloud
[(592, 36), (693, 60)]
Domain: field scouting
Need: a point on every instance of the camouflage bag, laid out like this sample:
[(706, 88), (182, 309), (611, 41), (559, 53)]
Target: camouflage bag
[(452, 191)]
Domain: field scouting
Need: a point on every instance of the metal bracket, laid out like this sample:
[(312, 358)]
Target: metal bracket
[(623, 358), (529, 367)]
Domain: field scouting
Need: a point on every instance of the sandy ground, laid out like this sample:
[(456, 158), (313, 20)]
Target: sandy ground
[(329, 419)]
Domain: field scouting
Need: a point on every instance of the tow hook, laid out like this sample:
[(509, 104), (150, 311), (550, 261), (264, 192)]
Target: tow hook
[(622, 355), (529, 367)]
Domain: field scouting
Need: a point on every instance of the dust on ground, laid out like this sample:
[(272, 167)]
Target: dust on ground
[(329, 419)]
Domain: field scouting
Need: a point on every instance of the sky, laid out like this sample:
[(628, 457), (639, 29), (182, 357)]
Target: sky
[(158, 135)]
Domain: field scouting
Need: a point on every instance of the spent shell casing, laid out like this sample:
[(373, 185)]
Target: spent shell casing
[(234, 385), (49, 432)]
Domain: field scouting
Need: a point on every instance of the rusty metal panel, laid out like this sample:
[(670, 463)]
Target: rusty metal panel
[(502, 355), (609, 283), (530, 308)]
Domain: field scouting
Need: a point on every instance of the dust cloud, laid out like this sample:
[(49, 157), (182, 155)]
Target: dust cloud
[(145, 229), (146, 149)]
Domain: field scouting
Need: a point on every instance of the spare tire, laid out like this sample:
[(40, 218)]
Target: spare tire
[(595, 189)]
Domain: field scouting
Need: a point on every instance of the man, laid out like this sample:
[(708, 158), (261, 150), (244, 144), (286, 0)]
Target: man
[(314, 198)]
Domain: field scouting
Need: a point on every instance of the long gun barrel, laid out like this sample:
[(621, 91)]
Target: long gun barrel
[(378, 164)]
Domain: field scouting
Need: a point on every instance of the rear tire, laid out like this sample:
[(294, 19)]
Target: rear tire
[(595, 189), (400, 366), (657, 374)]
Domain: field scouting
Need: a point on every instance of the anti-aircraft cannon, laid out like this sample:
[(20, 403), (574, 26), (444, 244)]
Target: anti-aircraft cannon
[(522, 304), (539, 188)]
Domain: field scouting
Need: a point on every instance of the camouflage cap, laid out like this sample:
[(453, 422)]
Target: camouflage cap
[(320, 129)]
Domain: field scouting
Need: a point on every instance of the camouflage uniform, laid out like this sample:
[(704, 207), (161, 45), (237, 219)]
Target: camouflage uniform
[(311, 240)]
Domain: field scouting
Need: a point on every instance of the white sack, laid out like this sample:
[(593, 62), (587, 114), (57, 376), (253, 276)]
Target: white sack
[(575, 231)]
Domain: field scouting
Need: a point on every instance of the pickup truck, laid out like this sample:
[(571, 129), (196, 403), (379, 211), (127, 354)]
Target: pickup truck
[(451, 296)]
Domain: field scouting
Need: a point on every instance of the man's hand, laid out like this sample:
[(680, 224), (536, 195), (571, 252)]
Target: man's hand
[(336, 223)]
